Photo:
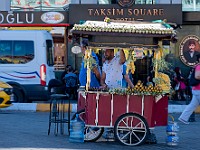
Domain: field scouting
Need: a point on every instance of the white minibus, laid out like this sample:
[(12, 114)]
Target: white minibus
[(26, 63)]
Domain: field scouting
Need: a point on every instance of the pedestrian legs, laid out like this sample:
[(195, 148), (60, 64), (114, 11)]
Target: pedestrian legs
[(190, 108)]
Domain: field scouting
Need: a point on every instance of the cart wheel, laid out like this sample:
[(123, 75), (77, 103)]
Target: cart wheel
[(131, 129), (92, 134)]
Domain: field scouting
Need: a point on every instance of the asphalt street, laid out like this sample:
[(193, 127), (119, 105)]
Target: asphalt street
[(24, 130)]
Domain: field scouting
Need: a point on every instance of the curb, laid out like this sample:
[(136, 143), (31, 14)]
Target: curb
[(46, 108), (22, 107), (36, 107)]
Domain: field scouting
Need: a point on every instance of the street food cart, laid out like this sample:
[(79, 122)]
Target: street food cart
[(131, 112)]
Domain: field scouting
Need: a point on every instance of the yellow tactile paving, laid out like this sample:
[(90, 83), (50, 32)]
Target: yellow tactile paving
[(46, 107)]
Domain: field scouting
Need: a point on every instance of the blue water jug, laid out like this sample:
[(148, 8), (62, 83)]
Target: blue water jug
[(77, 130), (172, 129), (172, 140)]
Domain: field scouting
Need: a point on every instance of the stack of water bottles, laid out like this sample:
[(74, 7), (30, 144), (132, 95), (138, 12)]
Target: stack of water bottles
[(172, 133), (77, 130)]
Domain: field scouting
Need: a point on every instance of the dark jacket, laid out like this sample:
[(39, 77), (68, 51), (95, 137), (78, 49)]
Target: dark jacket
[(189, 58)]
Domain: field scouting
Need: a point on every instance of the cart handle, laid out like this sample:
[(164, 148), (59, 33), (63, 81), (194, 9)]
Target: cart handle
[(171, 117)]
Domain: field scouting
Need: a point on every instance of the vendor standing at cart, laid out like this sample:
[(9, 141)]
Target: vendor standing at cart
[(95, 72), (112, 69)]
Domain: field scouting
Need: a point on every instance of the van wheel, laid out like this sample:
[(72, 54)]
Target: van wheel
[(18, 95)]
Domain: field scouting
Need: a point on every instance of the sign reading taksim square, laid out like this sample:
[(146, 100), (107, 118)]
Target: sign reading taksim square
[(173, 13), (33, 18)]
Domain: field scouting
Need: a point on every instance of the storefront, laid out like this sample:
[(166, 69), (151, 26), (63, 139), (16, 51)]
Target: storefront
[(187, 24), (54, 22)]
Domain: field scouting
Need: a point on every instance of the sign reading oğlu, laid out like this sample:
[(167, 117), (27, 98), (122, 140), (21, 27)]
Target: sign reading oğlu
[(125, 3), (80, 12), (17, 18), (188, 49)]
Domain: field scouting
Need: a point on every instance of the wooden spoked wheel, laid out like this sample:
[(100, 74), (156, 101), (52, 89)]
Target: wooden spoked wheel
[(131, 129)]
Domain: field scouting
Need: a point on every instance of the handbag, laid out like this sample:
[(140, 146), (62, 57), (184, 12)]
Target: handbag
[(193, 81)]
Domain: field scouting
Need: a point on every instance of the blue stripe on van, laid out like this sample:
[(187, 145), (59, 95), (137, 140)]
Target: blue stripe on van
[(10, 79), (35, 72)]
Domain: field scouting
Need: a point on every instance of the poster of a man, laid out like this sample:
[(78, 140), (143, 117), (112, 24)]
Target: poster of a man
[(189, 49)]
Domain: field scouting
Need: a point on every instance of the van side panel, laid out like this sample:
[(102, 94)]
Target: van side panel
[(27, 74)]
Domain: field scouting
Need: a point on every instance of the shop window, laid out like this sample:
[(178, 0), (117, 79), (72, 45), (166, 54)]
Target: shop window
[(5, 52), (88, 1), (187, 5), (38, 4), (191, 5), (23, 52), (50, 55), (105, 2)]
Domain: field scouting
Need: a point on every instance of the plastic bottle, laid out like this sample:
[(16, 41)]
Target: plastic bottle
[(77, 130)]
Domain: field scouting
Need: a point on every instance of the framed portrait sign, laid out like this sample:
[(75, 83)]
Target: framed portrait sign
[(188, 49)]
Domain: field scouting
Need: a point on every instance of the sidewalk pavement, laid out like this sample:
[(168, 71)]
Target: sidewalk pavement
[(188, 134), (32, 136)]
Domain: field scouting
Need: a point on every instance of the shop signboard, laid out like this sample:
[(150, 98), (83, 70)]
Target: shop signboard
[(27, 18), (82, 12)]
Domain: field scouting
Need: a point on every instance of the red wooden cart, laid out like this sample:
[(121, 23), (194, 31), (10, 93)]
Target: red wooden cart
[(131, 116)]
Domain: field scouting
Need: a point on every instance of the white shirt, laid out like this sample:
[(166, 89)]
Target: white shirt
[(113, 71)]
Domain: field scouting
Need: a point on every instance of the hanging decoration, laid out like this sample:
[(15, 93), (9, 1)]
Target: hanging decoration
[(130, 62), (160, 65), (137, 28)]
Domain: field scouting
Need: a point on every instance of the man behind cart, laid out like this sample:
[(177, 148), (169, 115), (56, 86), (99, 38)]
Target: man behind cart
[(112, 76), (112, 69)]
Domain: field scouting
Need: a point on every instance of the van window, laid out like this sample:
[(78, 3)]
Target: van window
[(16, 52), (50, 57), (5, 52)]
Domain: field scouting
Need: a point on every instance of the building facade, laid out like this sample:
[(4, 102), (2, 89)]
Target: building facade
[(43, 13)]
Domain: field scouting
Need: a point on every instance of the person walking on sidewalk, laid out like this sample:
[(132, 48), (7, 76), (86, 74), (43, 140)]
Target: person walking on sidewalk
[(195, 102)]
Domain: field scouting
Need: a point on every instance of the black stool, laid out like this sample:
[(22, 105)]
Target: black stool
[(57, 112)]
